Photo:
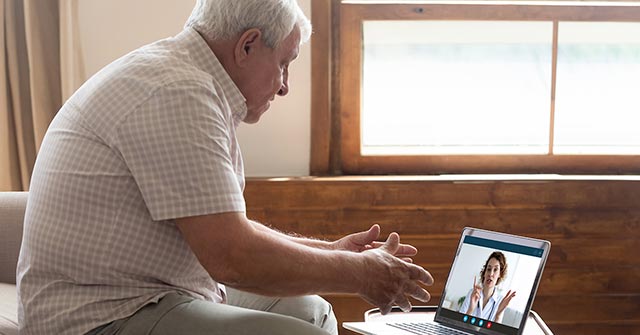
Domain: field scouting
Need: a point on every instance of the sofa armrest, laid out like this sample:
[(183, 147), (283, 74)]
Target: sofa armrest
[(12, 207)]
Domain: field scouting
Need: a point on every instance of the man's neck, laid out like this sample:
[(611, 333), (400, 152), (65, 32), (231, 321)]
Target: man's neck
[(223, 50)]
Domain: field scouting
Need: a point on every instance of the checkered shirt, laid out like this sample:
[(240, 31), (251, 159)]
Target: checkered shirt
[(148, 139)]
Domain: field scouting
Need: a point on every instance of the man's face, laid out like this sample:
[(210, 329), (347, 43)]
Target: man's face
[(266, 74)]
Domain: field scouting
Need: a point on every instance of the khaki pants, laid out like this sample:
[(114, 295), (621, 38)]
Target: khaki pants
[(245, 313)]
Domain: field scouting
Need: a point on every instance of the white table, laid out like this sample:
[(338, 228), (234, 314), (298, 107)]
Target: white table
[(534, 326)]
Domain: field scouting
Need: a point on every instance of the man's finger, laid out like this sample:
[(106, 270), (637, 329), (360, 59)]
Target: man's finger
[(415, 291), (404, 304), (392, 244), (384, 310), (419, 273), (406, 250), (370, 235), (403, 250)]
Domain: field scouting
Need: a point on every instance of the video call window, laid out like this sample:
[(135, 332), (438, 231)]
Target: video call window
[(521, 270)]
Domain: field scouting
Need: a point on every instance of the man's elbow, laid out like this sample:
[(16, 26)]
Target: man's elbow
[(222, 244)]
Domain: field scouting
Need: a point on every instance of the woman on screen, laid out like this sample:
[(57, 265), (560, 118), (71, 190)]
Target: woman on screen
[(483, 300)]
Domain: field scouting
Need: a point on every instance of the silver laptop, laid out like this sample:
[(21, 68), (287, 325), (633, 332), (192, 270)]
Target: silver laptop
[(474, 269)]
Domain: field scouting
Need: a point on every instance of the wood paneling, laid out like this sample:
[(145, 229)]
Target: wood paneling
[(591, 284), (320, 87)]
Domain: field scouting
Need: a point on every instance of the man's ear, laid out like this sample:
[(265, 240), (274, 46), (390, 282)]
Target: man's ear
[(248, 41)]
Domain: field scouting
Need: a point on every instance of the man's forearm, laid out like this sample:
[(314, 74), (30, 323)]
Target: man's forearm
[(310, 242), (253, 258), (243, 255), (285, 266)]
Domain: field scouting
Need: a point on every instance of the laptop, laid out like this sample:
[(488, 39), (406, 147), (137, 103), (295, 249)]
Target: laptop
[(524, 260)]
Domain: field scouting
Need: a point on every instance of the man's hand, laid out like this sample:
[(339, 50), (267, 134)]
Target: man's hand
[(388, 280), (366, 240)]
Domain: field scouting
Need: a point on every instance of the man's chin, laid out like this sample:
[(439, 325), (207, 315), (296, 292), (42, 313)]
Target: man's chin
[(251, 120), (253, 116)]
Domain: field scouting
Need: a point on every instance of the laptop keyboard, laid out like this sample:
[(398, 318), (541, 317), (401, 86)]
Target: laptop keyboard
[(425, 328)]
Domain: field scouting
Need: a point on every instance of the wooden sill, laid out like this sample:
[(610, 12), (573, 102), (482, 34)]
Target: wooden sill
[(452, 177)]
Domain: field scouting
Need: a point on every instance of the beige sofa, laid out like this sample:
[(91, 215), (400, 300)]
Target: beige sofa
[(12, 206)]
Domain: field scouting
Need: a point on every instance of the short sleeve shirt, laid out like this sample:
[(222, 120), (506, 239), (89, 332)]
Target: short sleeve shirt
[(148, 139)]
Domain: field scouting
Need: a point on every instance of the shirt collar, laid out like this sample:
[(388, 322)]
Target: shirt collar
[(492, 299), (204, 58)]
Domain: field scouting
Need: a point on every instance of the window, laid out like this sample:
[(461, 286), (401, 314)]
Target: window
[(483, 88), (455, 87), (597, 106)]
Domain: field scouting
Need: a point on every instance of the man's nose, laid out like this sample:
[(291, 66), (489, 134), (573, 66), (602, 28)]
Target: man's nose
[(284, 89)]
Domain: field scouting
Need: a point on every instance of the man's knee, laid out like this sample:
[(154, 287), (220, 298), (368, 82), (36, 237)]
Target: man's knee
[(312, 309)]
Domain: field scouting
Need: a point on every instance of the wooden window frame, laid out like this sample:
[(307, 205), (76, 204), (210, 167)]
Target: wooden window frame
[(336, 73)]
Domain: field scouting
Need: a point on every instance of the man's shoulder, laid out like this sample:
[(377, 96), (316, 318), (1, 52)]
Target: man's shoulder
[(139, 74), (159, 64)]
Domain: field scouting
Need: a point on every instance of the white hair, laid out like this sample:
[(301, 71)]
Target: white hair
[(224, 19)]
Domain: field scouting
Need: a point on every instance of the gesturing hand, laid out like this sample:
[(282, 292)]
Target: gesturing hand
[(388, 281), (505, 301), (475, 296), (365, 240)]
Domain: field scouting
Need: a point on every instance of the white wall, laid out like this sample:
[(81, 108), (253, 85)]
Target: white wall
[(278, 145)]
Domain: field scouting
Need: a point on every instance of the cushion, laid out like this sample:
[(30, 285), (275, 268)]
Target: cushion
[(12, 206), (8, 309)]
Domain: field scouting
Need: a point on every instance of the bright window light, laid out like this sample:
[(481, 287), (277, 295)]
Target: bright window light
[(456, 87), (598, 88)]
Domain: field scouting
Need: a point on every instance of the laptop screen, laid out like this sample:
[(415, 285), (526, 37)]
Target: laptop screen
[(492, 282)]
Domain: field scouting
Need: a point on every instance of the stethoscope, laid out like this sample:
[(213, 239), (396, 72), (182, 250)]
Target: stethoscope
[(493, 305)]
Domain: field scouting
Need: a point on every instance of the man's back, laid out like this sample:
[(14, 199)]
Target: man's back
[(99, 242)]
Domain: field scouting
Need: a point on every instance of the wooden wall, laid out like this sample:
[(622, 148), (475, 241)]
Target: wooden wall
[(591, 284)]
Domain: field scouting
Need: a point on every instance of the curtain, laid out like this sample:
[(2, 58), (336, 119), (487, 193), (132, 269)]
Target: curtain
[(30, 84)]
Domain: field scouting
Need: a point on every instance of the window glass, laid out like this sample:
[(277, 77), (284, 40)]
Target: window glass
[(456, 87), (598, 88)]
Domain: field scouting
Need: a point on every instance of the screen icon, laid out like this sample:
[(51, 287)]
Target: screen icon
[(480, 323)]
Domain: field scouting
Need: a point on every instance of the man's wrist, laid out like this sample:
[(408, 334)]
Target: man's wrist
[(314, 243)]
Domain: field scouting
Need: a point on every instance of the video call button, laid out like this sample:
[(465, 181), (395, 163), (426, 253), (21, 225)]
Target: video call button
[(473, 321), (465, 318)]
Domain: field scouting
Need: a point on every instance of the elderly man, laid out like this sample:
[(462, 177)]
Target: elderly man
[(136, 220)]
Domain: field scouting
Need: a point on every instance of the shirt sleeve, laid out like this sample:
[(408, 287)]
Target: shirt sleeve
[(177, 147), (465, 303)]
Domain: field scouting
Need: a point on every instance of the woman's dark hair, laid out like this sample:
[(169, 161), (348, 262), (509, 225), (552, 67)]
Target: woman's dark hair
[(498, 256)]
